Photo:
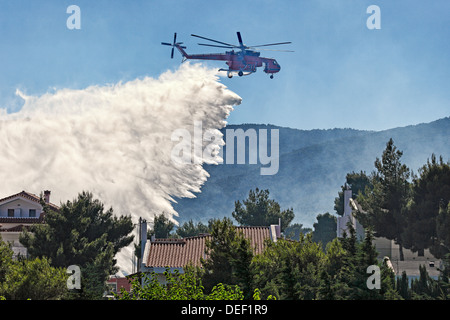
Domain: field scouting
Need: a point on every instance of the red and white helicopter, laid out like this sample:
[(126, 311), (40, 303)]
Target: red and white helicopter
[(243, 62)]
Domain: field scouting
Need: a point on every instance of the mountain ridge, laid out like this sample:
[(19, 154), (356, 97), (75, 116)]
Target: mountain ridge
[(312, 167)]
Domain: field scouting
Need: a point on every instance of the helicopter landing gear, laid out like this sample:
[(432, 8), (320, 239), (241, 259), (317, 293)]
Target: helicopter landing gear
[(240, 73), (271, 76), (230, 75)]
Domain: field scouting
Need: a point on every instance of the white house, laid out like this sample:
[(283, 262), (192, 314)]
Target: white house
[(387, 249), (18, 212)]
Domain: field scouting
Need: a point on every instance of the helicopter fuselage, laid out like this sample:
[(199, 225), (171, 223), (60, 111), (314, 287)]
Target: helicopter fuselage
[(241, 62)]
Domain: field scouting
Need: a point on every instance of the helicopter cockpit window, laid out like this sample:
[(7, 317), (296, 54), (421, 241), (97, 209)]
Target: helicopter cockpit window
[(275, 62)]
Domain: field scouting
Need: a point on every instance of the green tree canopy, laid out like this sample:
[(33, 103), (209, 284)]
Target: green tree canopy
[(229, 256), (259, 210), (32, 279), (427, 225), (324, 229), (443, 234), (384, 205), (81, 233), (185, 286), (358, 182), (290, 269), (294, 230), (189, 229), (162, 226)]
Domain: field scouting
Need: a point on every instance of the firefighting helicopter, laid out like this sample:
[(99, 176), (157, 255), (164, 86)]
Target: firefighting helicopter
[(243, 62)]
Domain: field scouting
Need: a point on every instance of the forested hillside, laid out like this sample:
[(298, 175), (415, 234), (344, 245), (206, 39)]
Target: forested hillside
[(312, 167)]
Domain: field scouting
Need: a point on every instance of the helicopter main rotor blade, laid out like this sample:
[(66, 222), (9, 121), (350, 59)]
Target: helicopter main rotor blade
[(273, 50), (171, 55), (240, 39), (166, 44), (216, 46), (270, 44), (194, 35)]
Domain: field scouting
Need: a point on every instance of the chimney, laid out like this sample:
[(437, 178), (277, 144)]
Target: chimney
[(143, 236), (278, 228), (47, 196), (275, 231), (142, 233), (347, 197)]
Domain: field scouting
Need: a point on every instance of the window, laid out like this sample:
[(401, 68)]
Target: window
[(10, 212), (32, 213)]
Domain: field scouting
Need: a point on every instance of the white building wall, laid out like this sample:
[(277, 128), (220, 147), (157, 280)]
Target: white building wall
[(348, 217), (21, 208)]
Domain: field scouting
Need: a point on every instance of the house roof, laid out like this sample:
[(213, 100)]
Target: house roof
[(26, 220), (257, 236), (29, 196), (177, 253), (18, 228)]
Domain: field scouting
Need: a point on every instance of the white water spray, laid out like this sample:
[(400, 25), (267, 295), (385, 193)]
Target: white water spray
[(114, 141)]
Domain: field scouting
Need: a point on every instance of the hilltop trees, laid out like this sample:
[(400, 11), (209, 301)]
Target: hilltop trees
[(259, 210), (294, 230), (189, 229)]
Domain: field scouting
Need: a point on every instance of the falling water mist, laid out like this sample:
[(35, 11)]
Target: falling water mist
[(114, 141)]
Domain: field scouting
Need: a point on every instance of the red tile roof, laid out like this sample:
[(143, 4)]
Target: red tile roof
[(177, 253), (257, 236), (21, 220), (18, 228)]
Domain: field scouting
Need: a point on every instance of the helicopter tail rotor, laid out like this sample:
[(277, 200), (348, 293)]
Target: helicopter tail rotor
[(174, 44)]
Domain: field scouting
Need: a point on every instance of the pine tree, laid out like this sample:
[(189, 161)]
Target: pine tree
[(442, 231), (259, 210), (162, 226), (359, 182), (444, 278), (425, 288), (336, 274), (403, 286), (384, 205), (242, 271), (324, 229), (81, 233), (189, 229), (229, 257), (426, 215)]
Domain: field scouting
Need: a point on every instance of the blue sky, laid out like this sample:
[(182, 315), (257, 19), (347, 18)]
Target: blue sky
[(341, 74)]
